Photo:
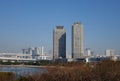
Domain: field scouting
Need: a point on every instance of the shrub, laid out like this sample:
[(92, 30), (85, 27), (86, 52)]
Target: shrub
[(6, 76)]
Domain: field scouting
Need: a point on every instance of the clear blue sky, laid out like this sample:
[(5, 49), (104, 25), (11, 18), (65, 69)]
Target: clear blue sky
[(30, 23)]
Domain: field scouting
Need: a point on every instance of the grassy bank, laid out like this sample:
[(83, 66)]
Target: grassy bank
[(102, 71), (7, 76)]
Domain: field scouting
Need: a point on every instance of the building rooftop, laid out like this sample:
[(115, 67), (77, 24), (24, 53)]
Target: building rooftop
[(59, 27), (77, 22)]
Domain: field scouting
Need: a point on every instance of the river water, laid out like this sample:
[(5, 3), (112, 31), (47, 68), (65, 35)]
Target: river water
[(22, 71)]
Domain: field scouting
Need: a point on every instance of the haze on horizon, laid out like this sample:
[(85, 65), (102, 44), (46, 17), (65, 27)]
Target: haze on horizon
[(30, 23)]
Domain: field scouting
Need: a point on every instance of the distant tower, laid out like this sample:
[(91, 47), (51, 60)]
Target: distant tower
[(30, 50), (77, 41), (37, 50), (88, 52), (109, 52), (42, 50), (59, 43), (24, 51)]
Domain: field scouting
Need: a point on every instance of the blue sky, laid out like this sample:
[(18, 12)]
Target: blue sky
[(30, 23)]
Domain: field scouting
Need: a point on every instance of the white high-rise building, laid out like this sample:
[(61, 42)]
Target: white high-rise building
[(42, 51), (88, 52), (37, 51), (77, 41), (109, 52), (30, 50)]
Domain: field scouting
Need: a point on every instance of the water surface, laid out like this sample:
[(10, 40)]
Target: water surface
[(22, 71)]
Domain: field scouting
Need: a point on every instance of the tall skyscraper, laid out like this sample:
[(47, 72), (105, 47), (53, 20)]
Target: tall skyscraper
[(59, 43), (77, 40)]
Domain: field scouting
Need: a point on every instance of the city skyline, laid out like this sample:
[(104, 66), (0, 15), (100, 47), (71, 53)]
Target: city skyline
[(30, 23)]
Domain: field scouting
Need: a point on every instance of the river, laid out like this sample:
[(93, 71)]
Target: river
[(22, 70)]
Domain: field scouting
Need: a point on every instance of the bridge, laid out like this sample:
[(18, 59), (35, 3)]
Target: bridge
[(21, 57)]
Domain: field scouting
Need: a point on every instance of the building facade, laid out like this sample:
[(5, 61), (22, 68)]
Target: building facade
[(77, 41), (88, 52), (59, 43), (36, 53), (109, 52)]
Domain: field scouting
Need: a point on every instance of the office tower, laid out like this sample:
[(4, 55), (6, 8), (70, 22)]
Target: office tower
[(37, 51), (42, 50), (59, 43), (27, 51), (109, 52), (77, 40), (30, 50), (24, 51), (88, 52)]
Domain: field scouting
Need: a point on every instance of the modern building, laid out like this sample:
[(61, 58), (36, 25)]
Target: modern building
[(24, 51), (77, 41), (88, 52), (36, 53), (30, 50), (109, 52), (59, 43)]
